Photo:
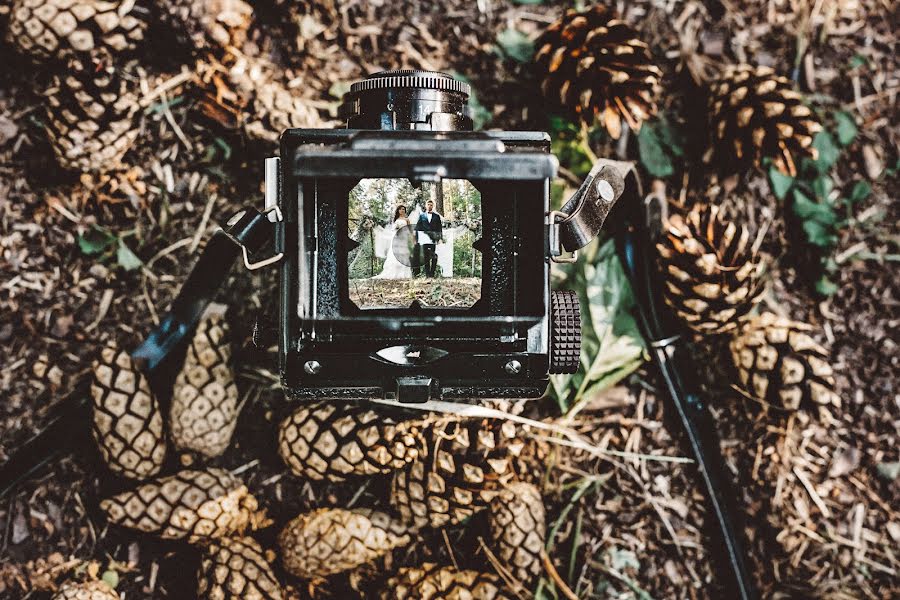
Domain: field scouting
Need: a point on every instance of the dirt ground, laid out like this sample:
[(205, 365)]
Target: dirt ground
[(629, 528)]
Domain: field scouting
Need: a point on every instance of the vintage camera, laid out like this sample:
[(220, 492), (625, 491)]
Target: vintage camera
[(415, 253)]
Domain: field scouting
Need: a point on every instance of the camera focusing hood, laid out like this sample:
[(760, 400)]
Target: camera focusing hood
[(408, 99)]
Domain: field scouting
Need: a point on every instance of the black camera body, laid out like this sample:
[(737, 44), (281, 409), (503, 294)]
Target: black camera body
[(413, 127)]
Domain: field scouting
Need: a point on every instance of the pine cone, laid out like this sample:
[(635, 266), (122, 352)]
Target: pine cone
[(205, 397), (712, 270), (519, 529), (91, 110), (331, 540), (466, 465), (58, 29), (780, 364), (755, 114), (204, 25), (432, 582), (128, 425), (235, 569), (272, 106), (594, 67), (329, 440), (92, 590), (197, 505)]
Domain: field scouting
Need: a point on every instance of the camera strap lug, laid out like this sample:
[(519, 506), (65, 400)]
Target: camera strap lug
[(587, 209), (246, 233)]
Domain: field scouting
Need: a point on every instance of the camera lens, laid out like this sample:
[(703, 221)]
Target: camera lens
[(408, 100)]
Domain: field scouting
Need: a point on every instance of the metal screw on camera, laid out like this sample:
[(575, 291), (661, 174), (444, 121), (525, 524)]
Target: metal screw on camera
[(513, 367), (312, 367)]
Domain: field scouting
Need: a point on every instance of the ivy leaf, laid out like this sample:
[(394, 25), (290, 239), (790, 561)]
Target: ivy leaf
[(828, 151), (860, 192), (653, 155), (780, 182), (846, 128), (95, 241), (515, 45), (127, 259), (826, 287)]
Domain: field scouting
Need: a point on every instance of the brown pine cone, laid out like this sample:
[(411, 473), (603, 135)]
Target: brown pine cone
[(58, 29), (332, 440), (712, 270), (91, 114), (755, 113), (92, 590), (433, 582), (205, 397), (519, 530), (197, 505), (128, 425), (466, 465), (206, 24), (235, 569), (594, 67), (779, 363), (332, 540)]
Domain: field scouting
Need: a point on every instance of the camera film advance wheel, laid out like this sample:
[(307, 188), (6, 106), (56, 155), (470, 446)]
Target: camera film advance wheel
[(565, 332)]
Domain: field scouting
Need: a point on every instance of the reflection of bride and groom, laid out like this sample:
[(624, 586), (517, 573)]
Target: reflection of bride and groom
[(415, 245)]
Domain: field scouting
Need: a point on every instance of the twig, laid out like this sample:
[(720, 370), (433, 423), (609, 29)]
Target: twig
[(554, 575)]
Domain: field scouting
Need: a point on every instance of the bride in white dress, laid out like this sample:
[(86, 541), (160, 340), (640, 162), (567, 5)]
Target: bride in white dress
[(397, 267)]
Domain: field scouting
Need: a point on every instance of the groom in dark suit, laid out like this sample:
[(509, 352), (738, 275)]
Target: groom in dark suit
[(429, 231)]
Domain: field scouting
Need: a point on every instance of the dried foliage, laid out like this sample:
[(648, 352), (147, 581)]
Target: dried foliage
[(595, 66), (128, 424), (206, 25)]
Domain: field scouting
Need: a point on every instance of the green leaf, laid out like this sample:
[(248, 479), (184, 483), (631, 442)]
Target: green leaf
[(822, 187), (828, 151), (127, 259), (826, 287), (110, 578), (811, 210), (780, 183), (669, 136), (653, 156), (858, 60), (95, 241), (846, 127), (515, 45), (860, 192)]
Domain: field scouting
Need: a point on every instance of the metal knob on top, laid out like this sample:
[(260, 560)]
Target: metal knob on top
[(408, 99)]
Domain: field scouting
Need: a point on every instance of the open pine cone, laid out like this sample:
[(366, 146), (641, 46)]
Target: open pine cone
[(712, 270), (755, 113), (519, 530), (197, 505), (594, 67), (432, 582), (779, 363), (206, 24), (92, 590), (332, 540), (91, 114), (466, 465), (128, 424), (58, 29), (235, 569), (330, 440), (205, 397)]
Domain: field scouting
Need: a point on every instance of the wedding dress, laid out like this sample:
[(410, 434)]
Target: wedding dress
[(394, 267)]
